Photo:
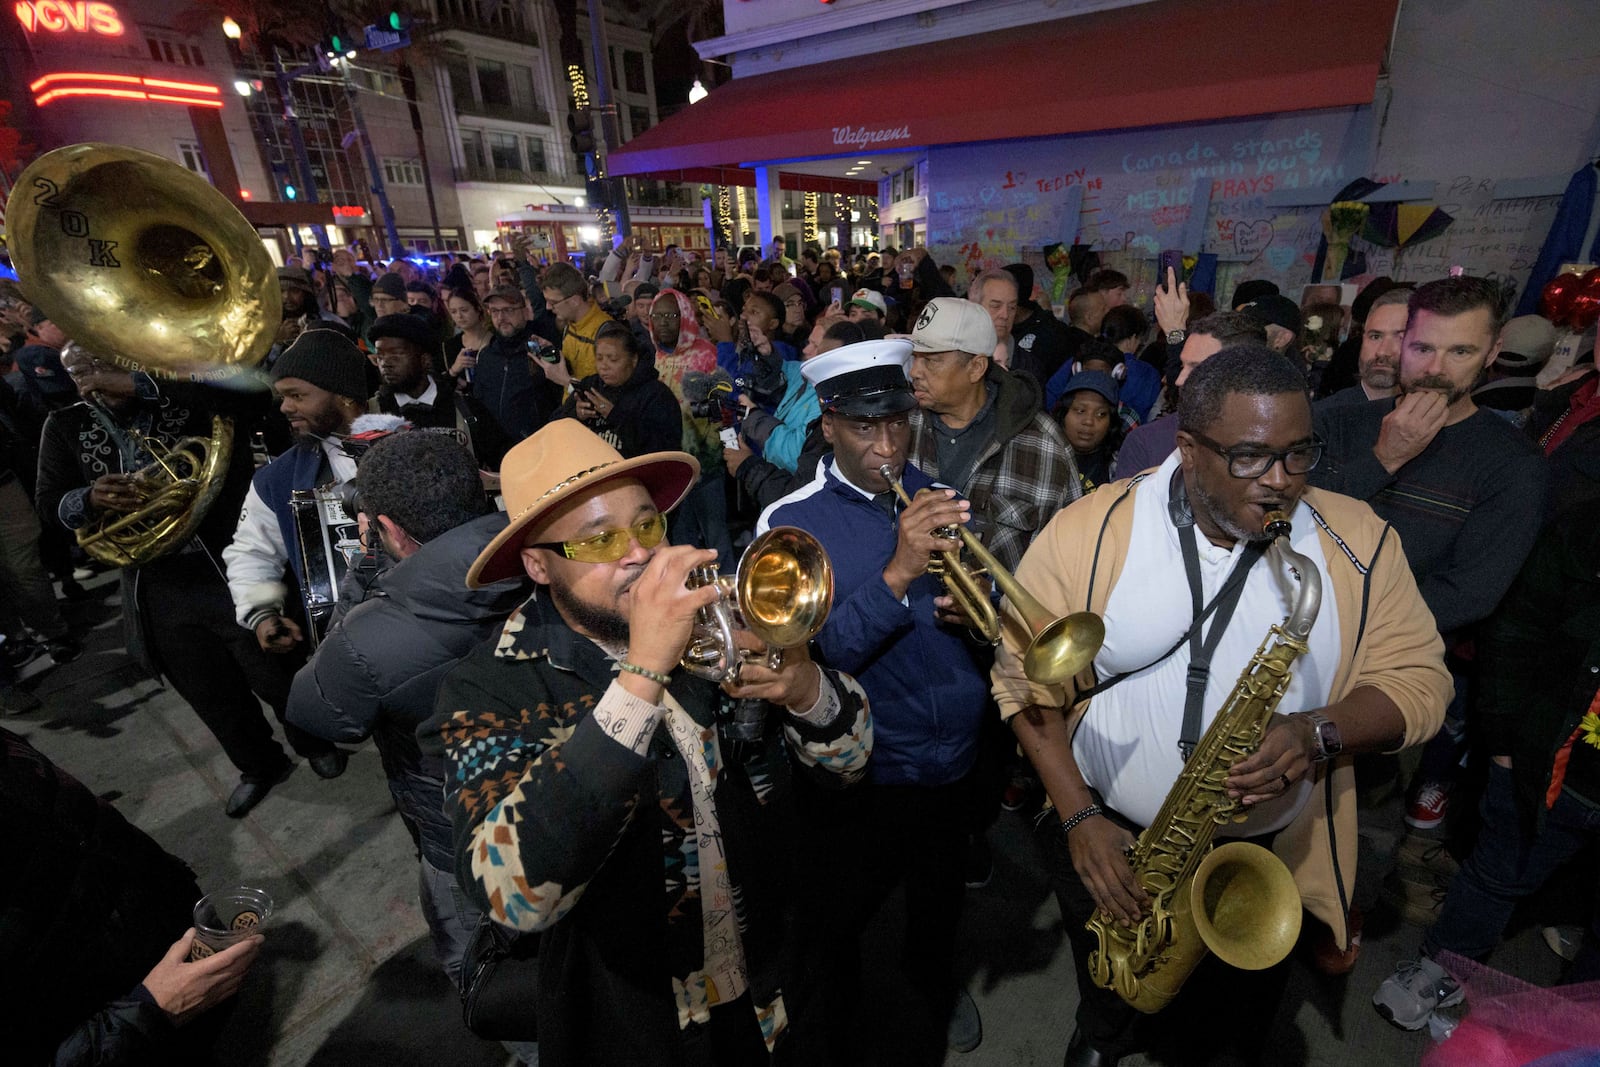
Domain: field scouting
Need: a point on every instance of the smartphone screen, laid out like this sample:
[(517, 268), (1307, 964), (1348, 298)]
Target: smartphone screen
[(838, 295)]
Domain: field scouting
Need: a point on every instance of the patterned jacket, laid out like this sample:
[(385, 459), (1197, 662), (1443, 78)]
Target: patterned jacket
[(1025, 475), (559, 828)]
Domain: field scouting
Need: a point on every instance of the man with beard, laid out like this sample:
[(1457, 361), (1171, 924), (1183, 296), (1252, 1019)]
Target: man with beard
[(176, 609), (300, 307), (1379, 361), (424, 399), (1371, 680), (320, 381), (599, 794), (1464, 489), (508, 380)]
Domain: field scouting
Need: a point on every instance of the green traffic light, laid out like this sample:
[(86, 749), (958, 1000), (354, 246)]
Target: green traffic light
[(394, 20), (338, 45), (290, 192)]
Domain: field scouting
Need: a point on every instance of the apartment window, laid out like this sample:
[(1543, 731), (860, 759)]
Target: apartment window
[(523, 93), (402, 171), (633, 71), (189, 155), (536, 155), (504, 152), (460, 71), (639, 118), (382, 81), (472, 147), (493, 84)]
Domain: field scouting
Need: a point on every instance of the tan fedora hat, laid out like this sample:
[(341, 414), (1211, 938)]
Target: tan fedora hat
[(560, 461)]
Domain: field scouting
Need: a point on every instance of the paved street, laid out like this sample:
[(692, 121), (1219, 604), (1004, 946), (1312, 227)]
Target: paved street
[(348, 975)]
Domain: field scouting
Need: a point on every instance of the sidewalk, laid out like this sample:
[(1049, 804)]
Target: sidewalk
[(348, 975)]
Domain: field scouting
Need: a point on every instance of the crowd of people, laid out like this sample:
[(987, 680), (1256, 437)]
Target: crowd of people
[(539, 466)]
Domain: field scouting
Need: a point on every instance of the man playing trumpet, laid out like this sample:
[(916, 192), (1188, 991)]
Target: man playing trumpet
[(1371, 679), (592, 796), (894, 630)]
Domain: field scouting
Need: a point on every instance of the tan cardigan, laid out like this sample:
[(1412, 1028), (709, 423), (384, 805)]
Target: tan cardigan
[(1387, 639)]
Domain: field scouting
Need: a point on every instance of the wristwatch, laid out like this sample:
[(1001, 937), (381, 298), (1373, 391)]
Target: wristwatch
[(1326, 733), (1175, 337)]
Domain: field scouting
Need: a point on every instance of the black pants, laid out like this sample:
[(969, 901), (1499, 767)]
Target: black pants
[(1223, 1015), (878, 837), (217, 666)]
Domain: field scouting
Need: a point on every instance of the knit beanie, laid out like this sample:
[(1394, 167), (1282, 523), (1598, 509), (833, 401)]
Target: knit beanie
[(328, 360), (390, 284)]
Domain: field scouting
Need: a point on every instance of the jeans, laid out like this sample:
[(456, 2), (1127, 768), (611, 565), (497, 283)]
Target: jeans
[(26, 595), (1214, 991), (1508, 864)]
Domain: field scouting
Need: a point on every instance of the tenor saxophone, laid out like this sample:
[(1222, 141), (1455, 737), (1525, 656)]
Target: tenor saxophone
[(1237, 900)]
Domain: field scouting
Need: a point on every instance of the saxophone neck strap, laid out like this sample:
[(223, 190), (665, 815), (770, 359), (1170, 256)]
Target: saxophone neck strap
[(1201, 649)]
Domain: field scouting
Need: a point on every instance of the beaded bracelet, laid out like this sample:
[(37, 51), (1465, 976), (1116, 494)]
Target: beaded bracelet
[(1069, 823), (643, 672)]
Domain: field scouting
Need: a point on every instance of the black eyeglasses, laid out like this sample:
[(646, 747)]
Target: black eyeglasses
[(1248, 462)]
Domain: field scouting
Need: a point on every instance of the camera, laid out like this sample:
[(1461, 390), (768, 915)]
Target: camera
[(719, 404)]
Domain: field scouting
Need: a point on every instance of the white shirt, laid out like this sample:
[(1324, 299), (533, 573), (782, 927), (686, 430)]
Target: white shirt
[(1127, 743), (429, 395)]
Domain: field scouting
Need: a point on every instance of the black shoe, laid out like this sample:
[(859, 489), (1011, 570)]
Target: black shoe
[(329, 764), (247, 794), (64, 649), (1082, 1054), (978, 867)]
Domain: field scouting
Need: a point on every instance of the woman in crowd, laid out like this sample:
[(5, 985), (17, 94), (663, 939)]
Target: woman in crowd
[(1089, 421), (625, 400), (472, 330)]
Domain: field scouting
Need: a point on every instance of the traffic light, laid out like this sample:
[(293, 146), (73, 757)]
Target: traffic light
[(336, 45), (396, 22), (580, 124), (290, 192)]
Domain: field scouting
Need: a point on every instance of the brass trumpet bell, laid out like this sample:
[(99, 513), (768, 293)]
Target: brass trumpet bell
[(140, 260)]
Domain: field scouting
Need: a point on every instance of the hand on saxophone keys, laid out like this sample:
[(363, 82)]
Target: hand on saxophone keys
[(1100, 850), (1285, 756)]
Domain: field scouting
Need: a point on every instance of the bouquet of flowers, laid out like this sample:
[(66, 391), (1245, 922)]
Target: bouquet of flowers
[(1341, 220)]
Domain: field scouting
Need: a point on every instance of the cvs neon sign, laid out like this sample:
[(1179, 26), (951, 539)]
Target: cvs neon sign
[(60, 16)]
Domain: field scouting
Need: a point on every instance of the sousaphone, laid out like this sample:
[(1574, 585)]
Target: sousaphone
[(141, 262)]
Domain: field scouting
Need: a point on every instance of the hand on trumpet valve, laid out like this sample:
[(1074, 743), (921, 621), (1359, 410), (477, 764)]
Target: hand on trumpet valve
[(948, 610), (794, 683), (920, 535), (662, 606)]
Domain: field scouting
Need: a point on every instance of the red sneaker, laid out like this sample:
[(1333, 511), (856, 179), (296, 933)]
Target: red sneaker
[(1428, 807)]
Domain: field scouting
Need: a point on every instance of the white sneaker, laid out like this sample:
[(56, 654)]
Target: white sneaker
[(1411, 994)]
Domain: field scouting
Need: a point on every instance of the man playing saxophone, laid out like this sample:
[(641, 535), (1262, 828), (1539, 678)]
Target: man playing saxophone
[(1153, 555)]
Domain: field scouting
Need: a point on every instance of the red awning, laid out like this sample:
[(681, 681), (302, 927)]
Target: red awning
[(1154, 64)]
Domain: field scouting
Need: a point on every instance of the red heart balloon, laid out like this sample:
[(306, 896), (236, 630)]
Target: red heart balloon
[(1555, 300), (1585, 306)]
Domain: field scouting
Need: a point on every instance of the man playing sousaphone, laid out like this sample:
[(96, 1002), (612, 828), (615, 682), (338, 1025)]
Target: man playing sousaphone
[(177, 616), (1370, 678), (593, 796)]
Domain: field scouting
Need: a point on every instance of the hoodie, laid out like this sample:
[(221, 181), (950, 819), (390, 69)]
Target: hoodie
[(692, 352), (645, 417)]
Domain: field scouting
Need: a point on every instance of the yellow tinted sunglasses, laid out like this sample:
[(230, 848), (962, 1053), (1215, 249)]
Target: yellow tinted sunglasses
[(608, 546)]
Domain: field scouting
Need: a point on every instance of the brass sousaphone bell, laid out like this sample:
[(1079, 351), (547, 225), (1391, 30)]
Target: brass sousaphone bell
[(141, 262)]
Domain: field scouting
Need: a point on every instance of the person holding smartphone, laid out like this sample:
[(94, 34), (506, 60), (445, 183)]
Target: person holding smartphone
[(625, 401)]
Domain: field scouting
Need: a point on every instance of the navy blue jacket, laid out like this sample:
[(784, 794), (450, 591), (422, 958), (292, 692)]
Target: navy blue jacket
[(925, 682), (295, 469)]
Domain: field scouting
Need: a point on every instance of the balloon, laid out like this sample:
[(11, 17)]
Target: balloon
[(1556, 299), (1584, 308)]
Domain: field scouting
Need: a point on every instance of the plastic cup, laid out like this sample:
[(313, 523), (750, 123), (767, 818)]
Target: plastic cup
[(227, 917)]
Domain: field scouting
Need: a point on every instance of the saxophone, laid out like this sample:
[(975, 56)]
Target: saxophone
[(1237, 900)]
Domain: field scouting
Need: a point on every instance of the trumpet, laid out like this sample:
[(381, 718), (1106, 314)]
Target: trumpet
[(1059, 647)]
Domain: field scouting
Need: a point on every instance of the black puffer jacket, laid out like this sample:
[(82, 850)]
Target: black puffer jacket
[(88, 905), (377, 673)]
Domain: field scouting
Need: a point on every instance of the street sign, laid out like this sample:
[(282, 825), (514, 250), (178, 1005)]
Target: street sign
[(383, 39)]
